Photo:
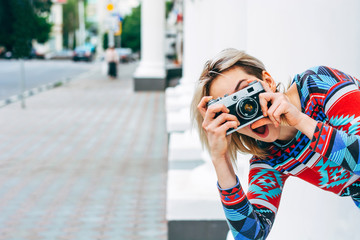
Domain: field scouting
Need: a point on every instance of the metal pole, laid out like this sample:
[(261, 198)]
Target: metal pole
[(111, 41), (22, 83), (81, 23)]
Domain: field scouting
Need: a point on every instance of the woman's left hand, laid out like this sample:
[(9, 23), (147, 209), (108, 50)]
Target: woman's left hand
[(282, 111), (280, 106)]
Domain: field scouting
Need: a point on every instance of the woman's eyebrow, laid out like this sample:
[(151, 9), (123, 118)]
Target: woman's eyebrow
[(238, 85)]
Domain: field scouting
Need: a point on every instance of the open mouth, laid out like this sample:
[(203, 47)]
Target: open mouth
[(261, 131)]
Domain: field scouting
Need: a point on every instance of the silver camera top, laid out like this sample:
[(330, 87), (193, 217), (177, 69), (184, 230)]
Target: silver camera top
[(253, 88)]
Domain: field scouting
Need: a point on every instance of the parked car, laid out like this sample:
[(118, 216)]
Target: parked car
[(64, 54), (85, 52), (39, 51), (125, 55)]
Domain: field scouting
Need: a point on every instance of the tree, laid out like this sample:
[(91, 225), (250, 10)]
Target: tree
[(131, 31), (70, 22), (22, 21), (6, 16), (131, 27)]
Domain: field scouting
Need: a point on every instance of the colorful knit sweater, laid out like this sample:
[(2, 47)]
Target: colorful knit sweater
[(330, 160)]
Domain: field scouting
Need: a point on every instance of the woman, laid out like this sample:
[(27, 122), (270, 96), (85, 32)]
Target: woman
[(312, 131), (112, 58)]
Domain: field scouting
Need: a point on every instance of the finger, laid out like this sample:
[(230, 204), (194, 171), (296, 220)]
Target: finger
[(226, 126), (202, 106), (278, 112), (212, 111), (222, 118), (251, 80), (271, 112), (264, 99)]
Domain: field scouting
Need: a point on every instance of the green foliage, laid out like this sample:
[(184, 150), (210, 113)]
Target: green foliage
[(43, 28), (168, 7), (70, 20), (41, 6), (21, 24), (131, 31), (105, 41), (6, 17)]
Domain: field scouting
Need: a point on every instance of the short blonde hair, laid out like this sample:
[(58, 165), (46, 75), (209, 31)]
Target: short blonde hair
[(223, 61)]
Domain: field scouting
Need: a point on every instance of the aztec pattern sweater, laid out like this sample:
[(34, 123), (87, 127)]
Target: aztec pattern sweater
[(330, 160)]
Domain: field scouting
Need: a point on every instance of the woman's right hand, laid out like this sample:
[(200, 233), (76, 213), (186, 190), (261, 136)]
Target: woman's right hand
[(215, 128)]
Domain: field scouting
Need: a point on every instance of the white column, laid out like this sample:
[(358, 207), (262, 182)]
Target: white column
[(209, 27), (151, 74), (81, 23), (57, 28), (101, 18)]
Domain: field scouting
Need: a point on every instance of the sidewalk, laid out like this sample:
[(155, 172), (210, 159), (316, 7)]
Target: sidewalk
[(87, 160)]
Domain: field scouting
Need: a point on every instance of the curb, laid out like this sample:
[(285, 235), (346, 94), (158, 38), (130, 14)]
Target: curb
[(33, 91), (45, 87)]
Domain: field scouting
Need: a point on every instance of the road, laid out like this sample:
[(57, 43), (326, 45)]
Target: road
[(37, 73)]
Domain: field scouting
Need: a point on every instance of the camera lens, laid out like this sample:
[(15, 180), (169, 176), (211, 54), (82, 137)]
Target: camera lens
[(247, 108)]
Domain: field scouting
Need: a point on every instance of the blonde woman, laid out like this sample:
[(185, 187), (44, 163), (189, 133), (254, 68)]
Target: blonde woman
[(311, 131)]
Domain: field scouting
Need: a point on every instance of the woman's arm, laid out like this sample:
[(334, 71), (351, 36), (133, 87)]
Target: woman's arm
[(215, 128), (340, 141), (251, 215), (338, 96)]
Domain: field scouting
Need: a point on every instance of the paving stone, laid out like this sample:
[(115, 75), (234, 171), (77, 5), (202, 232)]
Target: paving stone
[(87, 160)]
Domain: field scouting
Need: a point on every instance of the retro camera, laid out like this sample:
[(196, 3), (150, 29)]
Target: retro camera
[(244, 104)]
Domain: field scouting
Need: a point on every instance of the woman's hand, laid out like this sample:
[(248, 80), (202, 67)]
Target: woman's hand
[(280, 108), (215, 129), (282, 111)]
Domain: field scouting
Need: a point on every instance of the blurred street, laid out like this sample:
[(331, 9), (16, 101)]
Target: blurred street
[(37, 72), (80, 162)]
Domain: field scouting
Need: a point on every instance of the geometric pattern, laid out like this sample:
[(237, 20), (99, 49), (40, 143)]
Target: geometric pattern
[(330, 160), (344, 150)]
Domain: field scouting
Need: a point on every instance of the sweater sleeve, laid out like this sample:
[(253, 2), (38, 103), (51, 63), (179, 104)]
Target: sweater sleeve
[(251, 215), (337, 146), (338, 140)]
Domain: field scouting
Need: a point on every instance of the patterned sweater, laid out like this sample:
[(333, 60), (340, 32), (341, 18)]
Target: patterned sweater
[(330, 160)]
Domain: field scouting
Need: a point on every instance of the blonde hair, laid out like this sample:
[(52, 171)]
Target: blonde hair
[(225, 60)]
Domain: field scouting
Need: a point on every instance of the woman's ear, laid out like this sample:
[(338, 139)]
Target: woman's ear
[(269, 80)]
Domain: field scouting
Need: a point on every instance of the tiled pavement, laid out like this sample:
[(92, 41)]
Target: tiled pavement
[(85, 161)]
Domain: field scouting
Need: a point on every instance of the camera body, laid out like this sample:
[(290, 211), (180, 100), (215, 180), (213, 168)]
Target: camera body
[(244, 104)]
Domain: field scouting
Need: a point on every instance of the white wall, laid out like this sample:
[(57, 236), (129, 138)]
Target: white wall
[(209, 27), (288, 36), (291, 36)]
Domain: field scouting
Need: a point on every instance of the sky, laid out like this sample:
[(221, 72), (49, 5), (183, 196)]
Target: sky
[(125, 6)]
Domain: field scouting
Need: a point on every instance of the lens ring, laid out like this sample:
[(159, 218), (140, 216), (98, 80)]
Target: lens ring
[(247, 108)]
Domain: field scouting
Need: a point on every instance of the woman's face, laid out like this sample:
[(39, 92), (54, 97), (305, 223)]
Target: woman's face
[(232, 81)]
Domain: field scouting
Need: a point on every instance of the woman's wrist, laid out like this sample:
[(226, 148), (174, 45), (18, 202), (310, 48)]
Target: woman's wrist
[(224, 171), (306, 125)]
